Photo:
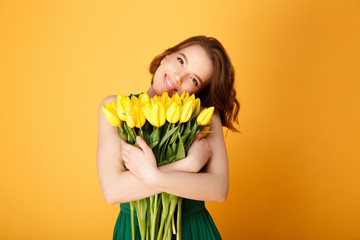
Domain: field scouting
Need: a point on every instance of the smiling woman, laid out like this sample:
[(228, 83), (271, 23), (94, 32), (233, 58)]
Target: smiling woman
[(188, 70), (201, 66)]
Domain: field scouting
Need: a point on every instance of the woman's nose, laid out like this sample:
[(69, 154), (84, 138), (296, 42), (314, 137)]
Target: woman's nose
[(177, 78)]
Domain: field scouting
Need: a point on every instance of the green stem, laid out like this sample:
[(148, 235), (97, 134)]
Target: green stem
[(141, 133), (173, 203), (173, 224), (154, 210), (132, 221), (178, 220)]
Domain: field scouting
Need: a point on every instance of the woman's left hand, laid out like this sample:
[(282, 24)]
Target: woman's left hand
[(141, 161)]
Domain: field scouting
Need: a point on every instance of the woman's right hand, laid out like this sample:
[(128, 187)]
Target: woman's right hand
[(199, 153)]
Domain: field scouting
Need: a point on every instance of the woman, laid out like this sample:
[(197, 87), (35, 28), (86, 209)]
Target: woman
[(198, 65)]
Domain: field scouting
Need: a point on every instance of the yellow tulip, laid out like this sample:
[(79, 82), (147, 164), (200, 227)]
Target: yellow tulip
[(135, 117), (176, 98), (131, 119), (140, 117), (158, 115), (135, 101), (207, 128), (197, 105), (155, 114), (146, 109), (120, 97), (186, 110), (164, 95), (128, 104), (173, 113), (111, 115), (144, 99), (184, 96), (190, 98), (124, 105), (113, 105), (166, 100), (120, 106), (155, 99), (204, 117)]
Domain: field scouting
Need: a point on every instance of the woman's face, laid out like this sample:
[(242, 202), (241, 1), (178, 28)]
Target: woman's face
[(188, 70)]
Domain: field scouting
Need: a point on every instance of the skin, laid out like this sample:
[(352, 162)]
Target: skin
[(180, 178)]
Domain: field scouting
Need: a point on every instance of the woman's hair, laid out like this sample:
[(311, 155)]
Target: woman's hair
[(220, 91)]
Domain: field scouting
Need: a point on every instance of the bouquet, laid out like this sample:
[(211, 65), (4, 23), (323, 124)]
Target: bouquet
[(168, 125)]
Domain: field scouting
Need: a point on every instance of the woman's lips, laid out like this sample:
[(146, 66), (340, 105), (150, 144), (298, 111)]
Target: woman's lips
[(168, 83)]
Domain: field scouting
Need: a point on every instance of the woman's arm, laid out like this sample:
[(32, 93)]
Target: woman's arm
[(209, 186), (118, 185)]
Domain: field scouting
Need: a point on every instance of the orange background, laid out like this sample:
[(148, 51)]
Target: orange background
[(294, 169)]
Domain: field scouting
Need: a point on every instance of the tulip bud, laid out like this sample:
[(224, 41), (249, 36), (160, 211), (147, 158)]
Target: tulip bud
[(120, 101), (184, 96), (207, 128), (146, 109), (204, 117), (131, 119), (166, 100), (197, 105), (186, 111), (113, 105), (144, 99), (128, 104), (173, 113), (140, 118), (135, 101), (155, 99), (191, 98), (176, 98), (111, 115), (158, 115)]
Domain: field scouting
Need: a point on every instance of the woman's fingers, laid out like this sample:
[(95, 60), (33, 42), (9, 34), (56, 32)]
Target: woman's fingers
[(142, 144), (198, 136)]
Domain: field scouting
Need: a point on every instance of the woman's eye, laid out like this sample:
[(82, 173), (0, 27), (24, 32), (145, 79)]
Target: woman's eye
[(194, 80), (180, 61)]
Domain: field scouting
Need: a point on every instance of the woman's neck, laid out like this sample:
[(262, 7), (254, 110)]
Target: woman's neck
[(151, 92)]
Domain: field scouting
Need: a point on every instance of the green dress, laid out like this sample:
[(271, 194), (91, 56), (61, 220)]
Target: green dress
[(196, 222)]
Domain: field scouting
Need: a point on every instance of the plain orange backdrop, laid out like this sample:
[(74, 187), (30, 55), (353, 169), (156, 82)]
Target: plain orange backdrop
[(294, 169)]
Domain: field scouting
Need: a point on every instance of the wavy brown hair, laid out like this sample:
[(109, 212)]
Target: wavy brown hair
[(219, 92)]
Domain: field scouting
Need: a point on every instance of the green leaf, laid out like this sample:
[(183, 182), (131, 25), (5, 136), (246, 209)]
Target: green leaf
[(181, 128), (180, 154), (169, 152), (183, 138), (167, 135), (152, 145), (173, 147), (155, 135), (130, 132), (194, 131), (187, 128), (122, 133), (171, 159)]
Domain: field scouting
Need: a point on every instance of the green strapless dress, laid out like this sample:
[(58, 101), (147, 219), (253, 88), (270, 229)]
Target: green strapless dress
[(196, 223)]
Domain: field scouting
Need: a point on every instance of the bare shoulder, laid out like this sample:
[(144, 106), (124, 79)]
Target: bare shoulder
[(216, 121), (105, 129), (216, 137)]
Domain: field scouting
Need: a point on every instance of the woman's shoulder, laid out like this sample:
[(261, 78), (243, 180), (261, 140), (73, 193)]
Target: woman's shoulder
[(108, 99)]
